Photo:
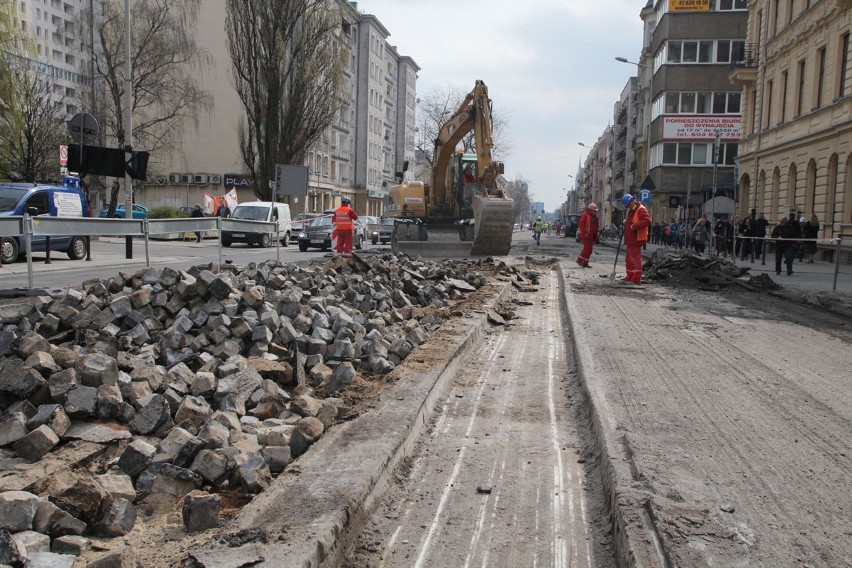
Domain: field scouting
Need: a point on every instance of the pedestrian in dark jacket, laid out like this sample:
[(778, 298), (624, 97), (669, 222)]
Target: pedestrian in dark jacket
[(197, 212), (760, 226), (811, 232), (785, 244)]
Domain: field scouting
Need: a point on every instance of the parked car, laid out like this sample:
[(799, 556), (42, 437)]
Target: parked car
[(260, 211), (139, 212), (317, 234), (52, 200), (385, 233)]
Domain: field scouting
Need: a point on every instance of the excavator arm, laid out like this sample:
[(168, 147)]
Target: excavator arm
[(493, 211)]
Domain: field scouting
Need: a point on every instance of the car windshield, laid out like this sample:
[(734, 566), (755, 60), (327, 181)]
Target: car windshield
[(250, 213), (387, 222), (321, 222), (9, 197)]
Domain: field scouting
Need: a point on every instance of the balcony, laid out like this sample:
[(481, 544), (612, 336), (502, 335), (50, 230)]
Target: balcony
[(341, 124), (744, 61)]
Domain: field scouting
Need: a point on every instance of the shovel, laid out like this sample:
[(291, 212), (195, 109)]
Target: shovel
[(615, 264)]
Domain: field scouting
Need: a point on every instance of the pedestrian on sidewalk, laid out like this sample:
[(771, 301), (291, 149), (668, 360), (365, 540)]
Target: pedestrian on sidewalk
[(344, 221), (760, 226), (538, 227), (197, 212), (701, 234), (785, 244), (810, 231), (588, 231), (636, 226)]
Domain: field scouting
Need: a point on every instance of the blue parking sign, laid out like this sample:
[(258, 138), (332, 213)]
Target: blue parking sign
[(644, 196)]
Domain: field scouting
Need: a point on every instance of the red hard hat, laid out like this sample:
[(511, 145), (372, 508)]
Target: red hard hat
[(593, 207)]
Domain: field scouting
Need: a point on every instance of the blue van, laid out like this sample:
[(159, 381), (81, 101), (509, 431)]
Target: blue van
[(55, 200)]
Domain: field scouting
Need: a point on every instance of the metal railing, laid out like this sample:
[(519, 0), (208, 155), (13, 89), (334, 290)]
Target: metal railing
[(26, 227), (744, 55)]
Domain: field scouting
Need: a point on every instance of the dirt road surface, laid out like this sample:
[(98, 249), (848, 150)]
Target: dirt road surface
[(501, 478), (723, 420)]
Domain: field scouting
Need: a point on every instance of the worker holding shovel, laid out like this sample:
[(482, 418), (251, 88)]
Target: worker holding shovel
[(636, 223)]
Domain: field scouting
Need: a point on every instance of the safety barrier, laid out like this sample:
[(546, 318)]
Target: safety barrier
[(26, 227)]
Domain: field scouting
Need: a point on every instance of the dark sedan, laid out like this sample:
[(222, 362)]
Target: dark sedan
[(317, 234)]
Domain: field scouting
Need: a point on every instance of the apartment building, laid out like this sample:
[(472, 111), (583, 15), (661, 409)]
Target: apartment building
[(796, 75), (624, 131), (357, 156), (56, 50), (695, 111), (594, 186)]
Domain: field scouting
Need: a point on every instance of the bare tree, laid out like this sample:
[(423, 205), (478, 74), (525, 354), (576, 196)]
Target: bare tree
[(437, 107), (288, 72), (518, 190), (32, 127), (166, 64)]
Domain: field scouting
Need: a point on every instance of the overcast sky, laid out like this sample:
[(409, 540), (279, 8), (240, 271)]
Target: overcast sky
[(548, 64)]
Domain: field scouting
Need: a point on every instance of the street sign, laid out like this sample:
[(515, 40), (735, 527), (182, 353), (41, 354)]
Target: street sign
[(644, 196), (63, 156), (83, 128)]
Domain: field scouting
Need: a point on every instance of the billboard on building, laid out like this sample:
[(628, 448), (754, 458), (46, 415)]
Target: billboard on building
[(689, 5), (702, 127)]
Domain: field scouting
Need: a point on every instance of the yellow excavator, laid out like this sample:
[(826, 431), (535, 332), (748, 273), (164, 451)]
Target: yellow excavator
[(463, 194)]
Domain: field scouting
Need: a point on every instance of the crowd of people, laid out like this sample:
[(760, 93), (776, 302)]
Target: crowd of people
[(719, 237)]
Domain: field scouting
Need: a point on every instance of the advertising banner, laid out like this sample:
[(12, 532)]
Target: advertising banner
[(689, 5), (702, 127)]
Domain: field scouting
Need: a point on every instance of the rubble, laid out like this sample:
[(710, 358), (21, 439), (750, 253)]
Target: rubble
[(710, 273), (198, 380)]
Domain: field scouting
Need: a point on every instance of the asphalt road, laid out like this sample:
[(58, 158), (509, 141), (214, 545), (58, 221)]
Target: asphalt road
[(109, 257)]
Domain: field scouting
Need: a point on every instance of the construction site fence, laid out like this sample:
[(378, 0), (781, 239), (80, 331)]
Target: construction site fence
[(26, 227)]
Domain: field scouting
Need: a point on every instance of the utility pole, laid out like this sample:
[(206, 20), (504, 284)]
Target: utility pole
[(128, 128)]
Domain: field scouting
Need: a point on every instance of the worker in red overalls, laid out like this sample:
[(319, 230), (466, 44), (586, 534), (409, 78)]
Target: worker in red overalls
[(636, 223), (588, 231), (343, 219)]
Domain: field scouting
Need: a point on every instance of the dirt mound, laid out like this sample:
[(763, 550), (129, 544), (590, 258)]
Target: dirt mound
[(692, 270)]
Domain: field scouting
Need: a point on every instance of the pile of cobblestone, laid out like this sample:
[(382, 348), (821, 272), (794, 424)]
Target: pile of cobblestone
[(182, 383)]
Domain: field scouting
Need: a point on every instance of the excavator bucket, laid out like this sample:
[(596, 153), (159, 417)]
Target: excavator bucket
[(494, 222)]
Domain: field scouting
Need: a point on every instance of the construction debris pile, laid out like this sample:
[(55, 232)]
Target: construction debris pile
[(710, 273), (179, 384)]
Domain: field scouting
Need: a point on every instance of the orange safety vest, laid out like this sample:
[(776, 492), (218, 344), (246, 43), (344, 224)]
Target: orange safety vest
[(342, 218), (641, 234)]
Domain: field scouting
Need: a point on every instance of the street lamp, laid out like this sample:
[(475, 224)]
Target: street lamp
[(625, 60)]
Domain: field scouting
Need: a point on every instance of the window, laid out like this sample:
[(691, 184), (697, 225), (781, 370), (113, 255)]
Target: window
[(692, 154), (724, 5), (674, 55), (775, 7), (703, 51), (800, 92), (843, 62), (820, 77), (790, 5), (768, 103), (697, 103), (783, 96)]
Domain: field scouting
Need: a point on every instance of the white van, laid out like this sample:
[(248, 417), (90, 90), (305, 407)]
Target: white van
[(260, 211)]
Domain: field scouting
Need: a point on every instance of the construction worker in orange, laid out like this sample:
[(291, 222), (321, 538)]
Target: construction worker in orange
[(636, 223), (588, 231), (344, 218)]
